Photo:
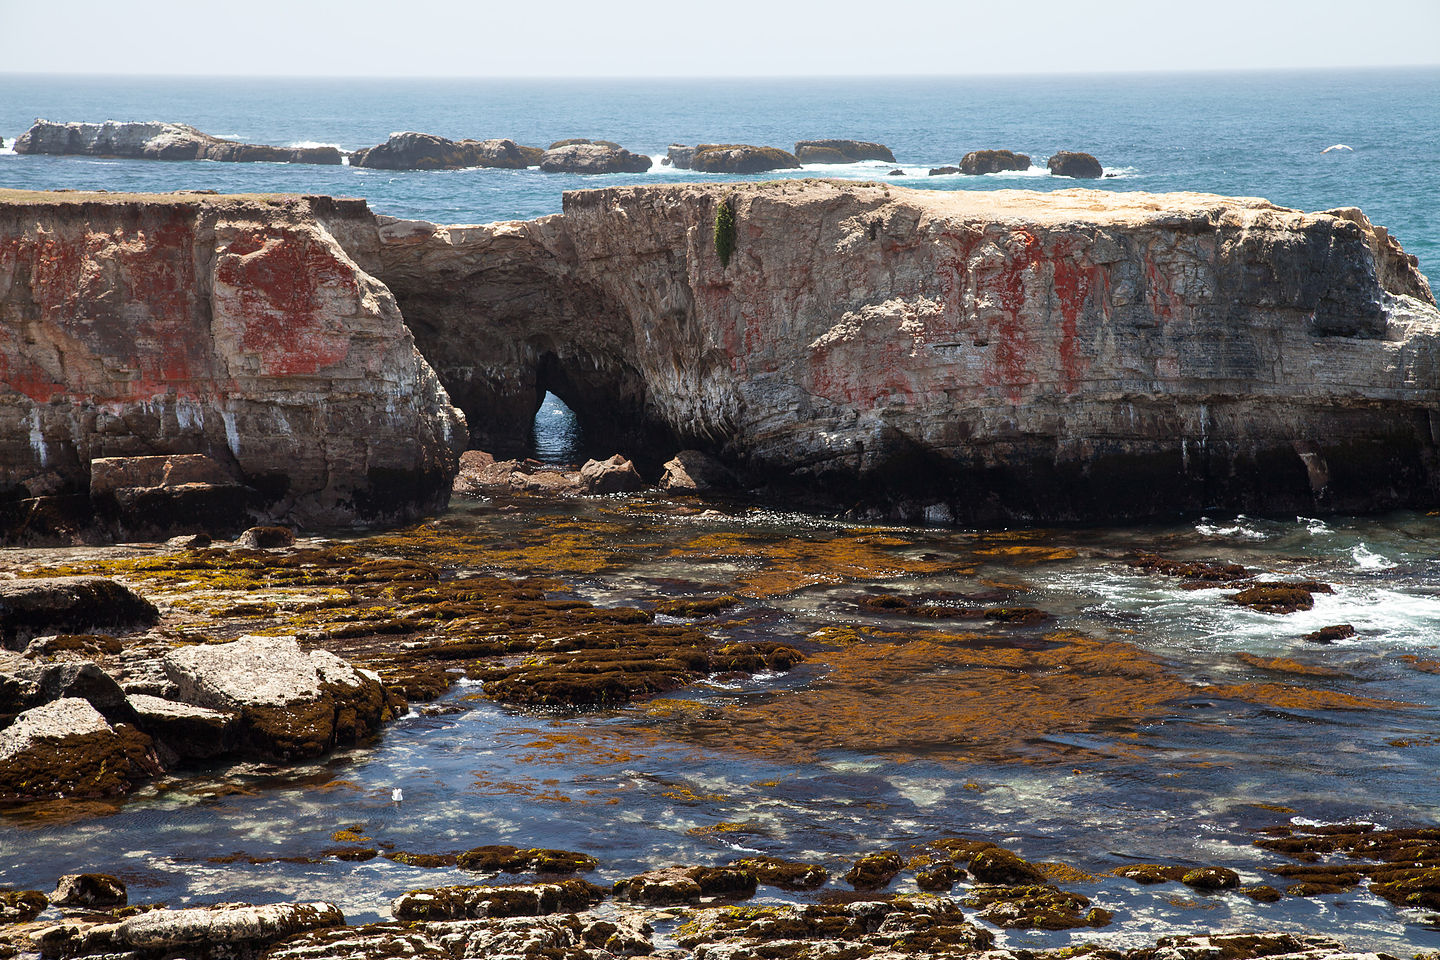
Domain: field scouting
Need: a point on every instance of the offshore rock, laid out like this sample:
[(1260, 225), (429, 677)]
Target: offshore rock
[(740, 158), (1081, 166), (234, 328), (978, 162), (425, 151), (292, 704), (155, 140), (89, 890), (593, 158), (841, 151), (992, 357)]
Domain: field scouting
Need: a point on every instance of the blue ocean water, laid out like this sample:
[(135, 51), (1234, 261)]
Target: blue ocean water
[(1246, 134)]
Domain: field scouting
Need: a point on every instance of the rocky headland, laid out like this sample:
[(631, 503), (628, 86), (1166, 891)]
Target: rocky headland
[(198, 362), (975, 357), (155, 140)]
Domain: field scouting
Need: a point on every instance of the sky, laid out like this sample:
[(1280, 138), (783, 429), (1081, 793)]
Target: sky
[(702, 38)]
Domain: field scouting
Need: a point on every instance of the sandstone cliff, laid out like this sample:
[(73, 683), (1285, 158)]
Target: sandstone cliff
[(980, 357), (235, 327)]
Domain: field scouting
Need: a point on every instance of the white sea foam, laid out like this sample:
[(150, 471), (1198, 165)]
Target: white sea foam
[(1313, 526), (1367, 559), (1239, 530), (311, 144)]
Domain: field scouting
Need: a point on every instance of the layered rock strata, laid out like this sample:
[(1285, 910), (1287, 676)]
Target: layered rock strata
[(155, 140), (236, 329), (974, 357)]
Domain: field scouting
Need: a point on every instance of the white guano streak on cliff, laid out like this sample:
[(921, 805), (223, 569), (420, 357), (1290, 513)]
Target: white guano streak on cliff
[(232, 435), (37, 438)]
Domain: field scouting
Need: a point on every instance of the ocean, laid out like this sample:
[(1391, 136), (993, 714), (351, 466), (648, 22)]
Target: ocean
[(1243, 134), (1135, 721)]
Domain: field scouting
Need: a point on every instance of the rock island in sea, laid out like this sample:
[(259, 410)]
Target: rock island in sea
[(193, 365)]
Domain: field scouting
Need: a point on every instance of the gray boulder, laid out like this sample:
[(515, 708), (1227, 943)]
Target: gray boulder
[(25, 684), (693, 471), (1081, 166), (292, 703), (38, 606), (615, 475), (89, 890), (592, 158), (157, 140)]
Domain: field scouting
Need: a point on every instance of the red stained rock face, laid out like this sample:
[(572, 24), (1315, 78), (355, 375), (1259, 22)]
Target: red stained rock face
[(233, 327), (980, 357)]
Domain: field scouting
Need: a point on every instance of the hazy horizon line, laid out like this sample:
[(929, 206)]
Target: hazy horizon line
[(1112, 72)]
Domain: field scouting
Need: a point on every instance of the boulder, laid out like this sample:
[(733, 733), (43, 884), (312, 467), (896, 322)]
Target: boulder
[(616, 475), (1081, 166), (65, 748), (668, 886), (44, 605), (943, 171), (978, 162), (89, 890), (593, 158), (195, 928), (21, 906), (25, 684), (739, 158), (292, 703), (266, 538), (502, 900), (694, 471), (680, 155), (897, 172), (425, 151), (841, 151), (184, 733), (156, 140)]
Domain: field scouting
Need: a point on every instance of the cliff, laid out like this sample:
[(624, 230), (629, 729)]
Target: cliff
[(155, 140), (232, 327), (977, 357)]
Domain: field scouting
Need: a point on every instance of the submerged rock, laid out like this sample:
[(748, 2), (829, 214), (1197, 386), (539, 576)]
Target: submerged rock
[(978, 162), (155, 140), (1081, 166), (593, 158), (425, 151), (39, 606), (841, 151)]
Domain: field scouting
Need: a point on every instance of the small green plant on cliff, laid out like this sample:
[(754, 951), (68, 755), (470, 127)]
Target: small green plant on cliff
[(725, 231)]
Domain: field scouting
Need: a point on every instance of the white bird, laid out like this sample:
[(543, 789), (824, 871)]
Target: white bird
[(396, 795), (1339, 146)]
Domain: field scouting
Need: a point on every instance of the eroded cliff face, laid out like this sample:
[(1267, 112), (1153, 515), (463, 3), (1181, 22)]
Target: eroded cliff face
[(978, 357), (235, 327)]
